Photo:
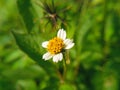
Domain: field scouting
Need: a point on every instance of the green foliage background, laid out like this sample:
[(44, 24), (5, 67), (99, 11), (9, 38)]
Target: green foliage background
[(94, 26)]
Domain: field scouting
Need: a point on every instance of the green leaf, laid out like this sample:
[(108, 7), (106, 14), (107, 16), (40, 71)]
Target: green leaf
[(81, 33), (27, 85), (67, 87), (28, 44), (24, 7)]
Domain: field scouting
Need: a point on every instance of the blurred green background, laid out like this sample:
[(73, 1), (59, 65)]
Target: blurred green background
[(94, 26)]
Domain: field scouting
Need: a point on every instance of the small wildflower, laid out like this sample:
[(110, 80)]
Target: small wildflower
[(56, 46)]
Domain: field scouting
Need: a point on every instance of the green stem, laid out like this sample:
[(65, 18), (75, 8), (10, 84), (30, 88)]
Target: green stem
[(65, 62), (64, 69), (103, 33)]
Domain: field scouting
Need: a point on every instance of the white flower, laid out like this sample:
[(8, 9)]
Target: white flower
[(56, 46)]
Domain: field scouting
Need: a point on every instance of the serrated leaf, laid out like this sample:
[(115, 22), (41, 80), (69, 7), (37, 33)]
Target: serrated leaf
[(24, 7), (28, 44)]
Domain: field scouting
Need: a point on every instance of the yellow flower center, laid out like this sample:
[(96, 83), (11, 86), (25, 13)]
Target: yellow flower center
[(55, 45)]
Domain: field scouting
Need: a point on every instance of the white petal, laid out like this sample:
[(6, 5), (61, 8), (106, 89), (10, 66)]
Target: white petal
[(44, 44), (61, 34), (67, 42), (57, 57), (60, 56), (69, 46), (47, 56)]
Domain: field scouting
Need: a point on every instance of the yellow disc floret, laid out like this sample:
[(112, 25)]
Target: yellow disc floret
[(55, 45)]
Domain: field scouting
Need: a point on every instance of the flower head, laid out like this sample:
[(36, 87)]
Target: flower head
[(56, 46)]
